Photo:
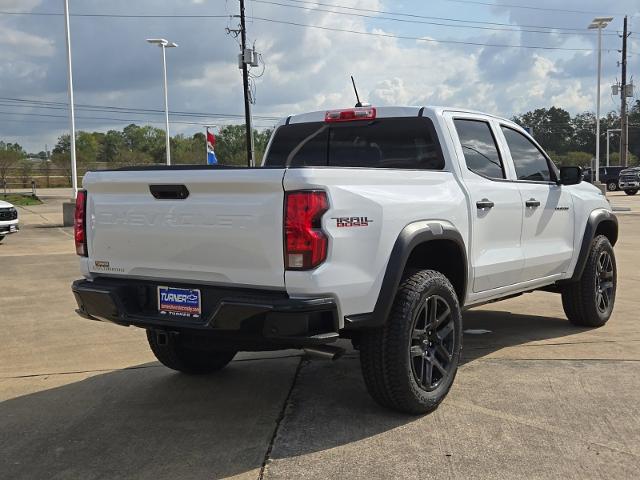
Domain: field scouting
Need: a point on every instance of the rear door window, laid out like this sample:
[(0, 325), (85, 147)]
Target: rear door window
[(403, 143), (479, 148), (528, 160)]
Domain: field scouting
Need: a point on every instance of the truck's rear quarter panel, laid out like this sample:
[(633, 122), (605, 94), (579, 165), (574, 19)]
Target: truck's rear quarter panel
[(358, 255)]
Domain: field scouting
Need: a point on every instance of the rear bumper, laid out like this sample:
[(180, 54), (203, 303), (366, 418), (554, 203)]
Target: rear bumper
[(255, 319)]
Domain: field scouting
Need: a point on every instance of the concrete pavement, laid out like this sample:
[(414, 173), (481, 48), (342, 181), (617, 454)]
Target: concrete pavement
[(534, 397)]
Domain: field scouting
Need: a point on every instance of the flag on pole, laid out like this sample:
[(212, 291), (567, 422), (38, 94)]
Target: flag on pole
[(211, 154)]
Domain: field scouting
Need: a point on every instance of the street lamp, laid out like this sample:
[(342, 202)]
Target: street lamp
[(72, 118), (164, 44), (599, 23)]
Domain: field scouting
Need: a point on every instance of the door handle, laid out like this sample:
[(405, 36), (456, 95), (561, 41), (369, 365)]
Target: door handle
[(484, 203), (169, 192), (532, 202)]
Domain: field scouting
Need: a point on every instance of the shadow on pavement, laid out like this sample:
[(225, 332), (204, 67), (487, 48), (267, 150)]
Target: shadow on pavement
[(508, 329), (149, 422)]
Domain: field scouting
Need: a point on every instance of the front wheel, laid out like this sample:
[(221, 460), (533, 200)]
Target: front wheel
[(410, 363), (589, 301), (178, 357), (631, 192)]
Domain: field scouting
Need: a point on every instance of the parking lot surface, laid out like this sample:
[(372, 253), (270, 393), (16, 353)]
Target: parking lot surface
[(534, 397)]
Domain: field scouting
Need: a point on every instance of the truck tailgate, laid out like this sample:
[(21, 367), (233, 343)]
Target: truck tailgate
[(228, 230)]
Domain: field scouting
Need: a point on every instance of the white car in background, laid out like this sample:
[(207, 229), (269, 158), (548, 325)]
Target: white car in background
[(8, 219)]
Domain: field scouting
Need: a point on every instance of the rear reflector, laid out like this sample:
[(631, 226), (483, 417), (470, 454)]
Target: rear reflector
[(350, 114), (79, 223), (305, 242)]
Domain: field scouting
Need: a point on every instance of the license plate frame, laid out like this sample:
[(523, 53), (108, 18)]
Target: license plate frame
[(179, 302)]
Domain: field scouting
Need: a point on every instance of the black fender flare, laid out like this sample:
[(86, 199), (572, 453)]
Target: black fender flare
[(410, 237), (596, 217)]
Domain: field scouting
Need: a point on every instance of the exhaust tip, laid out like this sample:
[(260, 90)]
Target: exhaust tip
[(325, 352)]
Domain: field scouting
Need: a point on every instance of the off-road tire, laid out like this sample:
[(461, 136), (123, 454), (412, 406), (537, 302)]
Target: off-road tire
[(579, 299), (631, 192), (188, 360), (386, 352)]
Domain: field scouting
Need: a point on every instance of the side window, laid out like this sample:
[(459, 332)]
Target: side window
[(529, 162), (479, 148)]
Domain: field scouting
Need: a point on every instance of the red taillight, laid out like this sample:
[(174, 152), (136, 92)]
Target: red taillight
[(350, 114), (305, 242), (79, 223)]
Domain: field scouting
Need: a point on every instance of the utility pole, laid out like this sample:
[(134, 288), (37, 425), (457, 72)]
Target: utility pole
[(245, 86), (624, 119)]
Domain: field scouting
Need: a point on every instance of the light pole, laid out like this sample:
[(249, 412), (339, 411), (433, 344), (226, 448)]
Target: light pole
[(72, 118), (164, 44), (599, 23), (610, 131)]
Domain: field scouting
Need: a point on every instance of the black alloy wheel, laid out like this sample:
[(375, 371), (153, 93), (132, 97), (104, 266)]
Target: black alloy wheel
[(604, 282), (432, 342)]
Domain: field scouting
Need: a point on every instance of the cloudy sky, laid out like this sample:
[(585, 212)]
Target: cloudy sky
[(415, 52)]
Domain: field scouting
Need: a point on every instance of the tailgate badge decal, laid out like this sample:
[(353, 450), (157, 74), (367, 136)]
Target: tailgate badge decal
[(352, 221), (104, 266)]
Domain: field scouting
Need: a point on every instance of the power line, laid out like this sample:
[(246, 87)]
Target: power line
[(334, 29), (112, 15), (46, 115), (98, 15), (424, 39), (528, 7), (188, 16), (539, 28), (63, 105)]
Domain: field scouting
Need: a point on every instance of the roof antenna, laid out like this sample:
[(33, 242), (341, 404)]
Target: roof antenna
[(359, 104)]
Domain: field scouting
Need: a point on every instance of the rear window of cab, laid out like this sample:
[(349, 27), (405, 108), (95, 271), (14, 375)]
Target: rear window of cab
[(401, 142)]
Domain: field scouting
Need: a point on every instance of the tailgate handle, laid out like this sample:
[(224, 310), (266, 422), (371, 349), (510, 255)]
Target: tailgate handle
[(169, 192)]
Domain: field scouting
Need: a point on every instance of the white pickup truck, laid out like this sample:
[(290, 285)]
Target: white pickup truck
[(379, 225), (8, 219)]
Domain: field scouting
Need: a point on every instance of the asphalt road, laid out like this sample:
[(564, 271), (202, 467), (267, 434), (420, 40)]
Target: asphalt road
[(534, 397)]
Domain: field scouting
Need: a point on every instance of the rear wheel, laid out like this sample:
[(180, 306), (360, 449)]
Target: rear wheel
[(612, 186), (410, 363), (631, 192), (589, 301), (167, 349)]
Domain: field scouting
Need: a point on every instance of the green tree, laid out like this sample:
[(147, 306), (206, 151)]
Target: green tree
[(10, 155), (63, 145), (25, 169), (189, 150), (584, 132), (231, 145), (112, 144), (552, 127), (87, 147), (129, 158)]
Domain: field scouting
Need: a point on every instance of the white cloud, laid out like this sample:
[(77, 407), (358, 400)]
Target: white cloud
[(306, 69), (18, 5), (18, 44)]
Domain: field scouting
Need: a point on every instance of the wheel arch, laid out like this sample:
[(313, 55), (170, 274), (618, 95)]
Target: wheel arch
[(420, 245), (600, 222)]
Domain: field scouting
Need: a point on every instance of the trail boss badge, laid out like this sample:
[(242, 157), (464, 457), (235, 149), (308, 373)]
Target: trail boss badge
[(352, 221)]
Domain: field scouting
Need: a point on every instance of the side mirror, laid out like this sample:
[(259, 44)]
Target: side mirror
[(570, 175)]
